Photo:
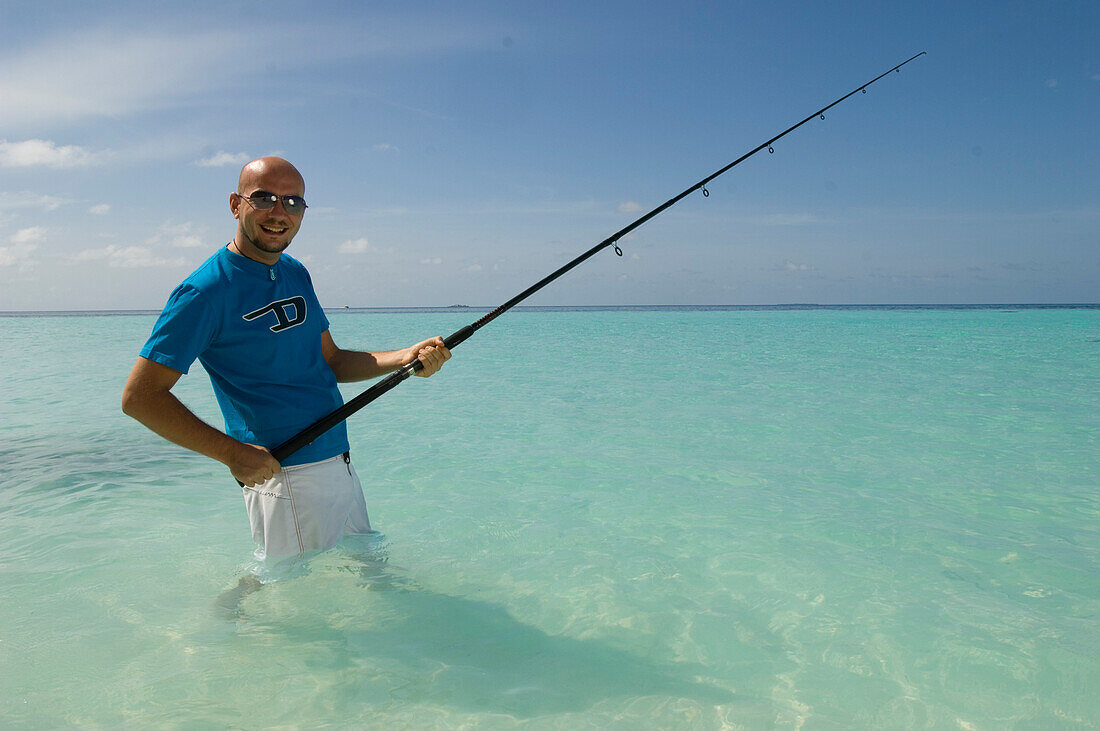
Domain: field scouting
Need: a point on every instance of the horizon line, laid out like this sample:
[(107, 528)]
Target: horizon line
[(462, 307)]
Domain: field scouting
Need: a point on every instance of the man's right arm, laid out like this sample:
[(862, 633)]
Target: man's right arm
[(148, 398)]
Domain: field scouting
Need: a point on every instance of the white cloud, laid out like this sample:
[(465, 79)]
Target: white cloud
[(358, 246), (101, 210), (12, 201), (127, 257), (95, 254), (629, 207), (27, 235), (221, 159), (1052, 83), (385, 147), (187, 242), (17, 256), (790, 266), (432, 260), (179, 235), (112, 73), (42, 153), (362, 246)]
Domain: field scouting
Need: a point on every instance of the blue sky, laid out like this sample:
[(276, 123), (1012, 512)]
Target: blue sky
[(458, 152)]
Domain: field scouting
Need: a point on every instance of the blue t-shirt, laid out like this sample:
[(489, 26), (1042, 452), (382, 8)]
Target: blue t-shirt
[(256, 329)]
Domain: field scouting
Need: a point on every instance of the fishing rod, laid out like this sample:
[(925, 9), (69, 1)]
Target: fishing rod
[(325, 423)]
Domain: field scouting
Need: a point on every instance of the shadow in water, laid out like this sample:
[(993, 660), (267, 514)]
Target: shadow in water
[(470, 654)]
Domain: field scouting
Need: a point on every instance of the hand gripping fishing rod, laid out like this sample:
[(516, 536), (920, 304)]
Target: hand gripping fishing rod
[(325, 423)]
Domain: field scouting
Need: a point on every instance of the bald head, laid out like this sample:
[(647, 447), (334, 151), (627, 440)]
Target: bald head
[(264, 231), (256, 173)]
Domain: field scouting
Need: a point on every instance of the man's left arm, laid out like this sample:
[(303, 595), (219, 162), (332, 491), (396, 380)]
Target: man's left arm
[(356, 365)]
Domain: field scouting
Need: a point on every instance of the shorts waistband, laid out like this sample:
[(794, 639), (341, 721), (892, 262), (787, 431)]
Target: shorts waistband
[(345, 457)]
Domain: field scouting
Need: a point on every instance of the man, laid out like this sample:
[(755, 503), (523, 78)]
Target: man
[(249, 314)]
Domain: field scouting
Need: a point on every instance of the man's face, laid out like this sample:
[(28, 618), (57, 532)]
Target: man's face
[(268, 232)]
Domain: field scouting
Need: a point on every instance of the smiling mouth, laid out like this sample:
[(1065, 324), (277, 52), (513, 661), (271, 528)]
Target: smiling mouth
[(275, 230)]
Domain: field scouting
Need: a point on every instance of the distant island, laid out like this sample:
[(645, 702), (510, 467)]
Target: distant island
[(458, 306)]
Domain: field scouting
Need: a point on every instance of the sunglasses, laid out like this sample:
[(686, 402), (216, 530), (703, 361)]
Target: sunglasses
[(261, 200)]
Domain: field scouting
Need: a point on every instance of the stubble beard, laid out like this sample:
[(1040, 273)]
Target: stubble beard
[(265, 247)]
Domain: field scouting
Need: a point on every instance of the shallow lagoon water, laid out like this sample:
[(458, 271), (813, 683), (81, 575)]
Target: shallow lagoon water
[(628, 519)]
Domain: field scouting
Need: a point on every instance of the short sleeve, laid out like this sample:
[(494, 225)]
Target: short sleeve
[(183, 331)]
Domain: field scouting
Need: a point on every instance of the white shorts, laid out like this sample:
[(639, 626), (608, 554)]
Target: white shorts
[(306, 507)]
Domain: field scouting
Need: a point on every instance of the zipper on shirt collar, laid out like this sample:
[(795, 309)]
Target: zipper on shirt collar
[(270, 267)]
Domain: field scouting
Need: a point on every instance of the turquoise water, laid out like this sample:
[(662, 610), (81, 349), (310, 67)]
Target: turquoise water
[(625, 519)]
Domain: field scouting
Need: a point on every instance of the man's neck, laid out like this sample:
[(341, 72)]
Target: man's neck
[(251, 252)]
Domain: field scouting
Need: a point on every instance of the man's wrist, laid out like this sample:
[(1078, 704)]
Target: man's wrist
[(228, 450)]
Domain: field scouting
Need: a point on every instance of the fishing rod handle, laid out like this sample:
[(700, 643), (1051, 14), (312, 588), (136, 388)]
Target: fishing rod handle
[(458, 337)]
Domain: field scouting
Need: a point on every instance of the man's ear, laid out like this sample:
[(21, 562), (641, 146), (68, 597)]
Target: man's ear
[(234, 203)]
